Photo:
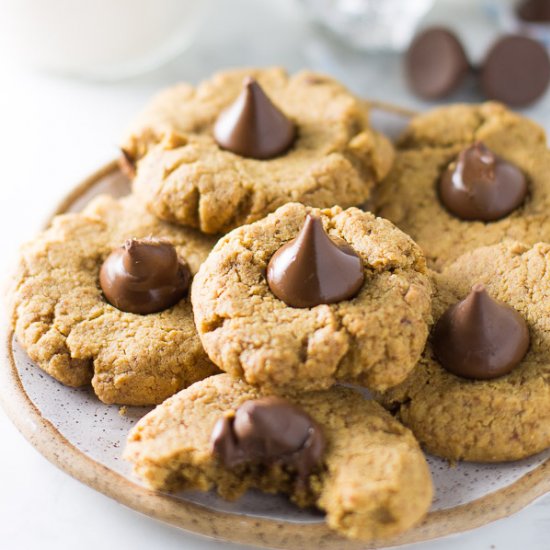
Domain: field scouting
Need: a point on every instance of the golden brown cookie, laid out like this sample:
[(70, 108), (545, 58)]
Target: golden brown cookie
[(408, 197), (67, 327), (373, 481), (506, 418), (184, 176), (374, 338)]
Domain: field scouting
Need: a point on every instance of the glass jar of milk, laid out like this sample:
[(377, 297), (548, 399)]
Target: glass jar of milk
[(100, 39)]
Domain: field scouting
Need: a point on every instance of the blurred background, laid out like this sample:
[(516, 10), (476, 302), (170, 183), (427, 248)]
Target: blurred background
[(74, 72)]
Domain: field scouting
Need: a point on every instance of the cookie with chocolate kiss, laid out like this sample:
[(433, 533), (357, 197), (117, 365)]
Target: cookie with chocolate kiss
[(467, 176), (480, 391), (305, 298), (247, 141), (87, 310), (333, 449)]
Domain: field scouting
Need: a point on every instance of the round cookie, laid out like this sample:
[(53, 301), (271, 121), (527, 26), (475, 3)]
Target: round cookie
[(373, 339), (408, 196), (373, 481), (67, 327), (507, 418), (184, 176)]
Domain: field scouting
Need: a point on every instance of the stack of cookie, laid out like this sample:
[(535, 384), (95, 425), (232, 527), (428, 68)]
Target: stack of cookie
[(231, 254)]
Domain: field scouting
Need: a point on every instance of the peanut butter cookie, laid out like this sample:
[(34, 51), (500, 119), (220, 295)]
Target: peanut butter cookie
[(346, 297), (365, 470), (506, 416), (467, 176), (250, 140), (63, 320)]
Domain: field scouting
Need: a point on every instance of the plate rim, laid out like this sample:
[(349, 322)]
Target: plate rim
[(223, 526)]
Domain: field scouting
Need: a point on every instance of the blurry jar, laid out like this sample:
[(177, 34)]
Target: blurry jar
[(370, 24), (102, 39)]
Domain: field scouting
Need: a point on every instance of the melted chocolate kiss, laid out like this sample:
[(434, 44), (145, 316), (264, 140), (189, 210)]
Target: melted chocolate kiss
[(144, 276), (480, 338), (269, 431), (253, 127), (312, 269), (481, 186)]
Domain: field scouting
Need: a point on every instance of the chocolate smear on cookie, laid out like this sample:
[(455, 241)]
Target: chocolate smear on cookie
[(268, 431), (253, 126), (144, 276), (436, 63), (313, 269), (516, 71), (481, 186), (480, 338)]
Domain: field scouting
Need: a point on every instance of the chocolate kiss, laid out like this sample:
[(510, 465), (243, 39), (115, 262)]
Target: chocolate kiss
[(269, 430), (481, 186), (253, 127), (480, 338), (312, 269), (516, 70), (144, 276), (436, 63)]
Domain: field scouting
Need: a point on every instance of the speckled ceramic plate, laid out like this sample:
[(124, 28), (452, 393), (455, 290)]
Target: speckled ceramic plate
[(86, 438)]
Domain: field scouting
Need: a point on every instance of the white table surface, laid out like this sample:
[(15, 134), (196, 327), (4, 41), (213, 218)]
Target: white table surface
[(54, 131)]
